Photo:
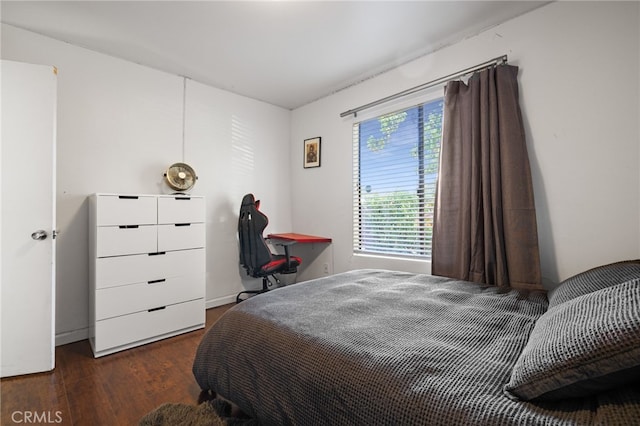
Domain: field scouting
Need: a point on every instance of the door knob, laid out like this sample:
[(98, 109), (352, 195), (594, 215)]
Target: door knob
[(40, 234)]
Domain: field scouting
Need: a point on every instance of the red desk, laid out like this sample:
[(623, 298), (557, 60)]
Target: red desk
[(306, 244), (292, 237)]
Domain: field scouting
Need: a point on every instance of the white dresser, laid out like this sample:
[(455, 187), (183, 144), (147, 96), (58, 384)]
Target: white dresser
[(147, 269)]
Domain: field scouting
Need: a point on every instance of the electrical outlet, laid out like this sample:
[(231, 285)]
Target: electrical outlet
[(325, 268)]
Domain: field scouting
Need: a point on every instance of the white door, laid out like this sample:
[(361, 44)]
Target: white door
[(27, 202)]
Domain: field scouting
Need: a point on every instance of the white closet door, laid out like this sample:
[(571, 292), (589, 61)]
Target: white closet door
[(27, 201)]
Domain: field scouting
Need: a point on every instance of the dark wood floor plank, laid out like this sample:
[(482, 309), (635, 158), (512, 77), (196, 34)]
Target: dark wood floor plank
[(42, 393), (112, 390), (89, 403)]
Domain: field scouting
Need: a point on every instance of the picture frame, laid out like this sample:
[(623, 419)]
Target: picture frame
[(311, 152)]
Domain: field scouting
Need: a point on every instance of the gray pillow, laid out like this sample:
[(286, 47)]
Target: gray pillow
[(582, 347), (593, 280)]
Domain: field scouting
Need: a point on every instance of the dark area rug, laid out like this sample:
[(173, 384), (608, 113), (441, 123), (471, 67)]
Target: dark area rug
[(214, 412)]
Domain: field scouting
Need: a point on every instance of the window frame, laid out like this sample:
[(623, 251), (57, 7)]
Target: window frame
[(397, 107)]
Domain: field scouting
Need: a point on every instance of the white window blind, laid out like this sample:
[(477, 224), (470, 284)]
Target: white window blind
[(396, 159)]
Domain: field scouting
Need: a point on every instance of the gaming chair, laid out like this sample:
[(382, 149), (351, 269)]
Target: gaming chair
[(255, 255)]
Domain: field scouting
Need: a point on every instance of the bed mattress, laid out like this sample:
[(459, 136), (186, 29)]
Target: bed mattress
[(382, 347)]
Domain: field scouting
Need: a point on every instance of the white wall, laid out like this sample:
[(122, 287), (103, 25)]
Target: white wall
[(579, 93), (120, 127), (237, 145)]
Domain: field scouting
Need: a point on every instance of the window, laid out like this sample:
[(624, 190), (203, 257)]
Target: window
[(396, 160)]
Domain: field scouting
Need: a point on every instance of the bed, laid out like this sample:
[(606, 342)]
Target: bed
[(382, 347)]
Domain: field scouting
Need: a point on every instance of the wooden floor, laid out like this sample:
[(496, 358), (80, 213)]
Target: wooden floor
[(113, 390)]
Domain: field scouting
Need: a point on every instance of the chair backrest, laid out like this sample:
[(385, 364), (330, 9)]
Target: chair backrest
[(254, 252)]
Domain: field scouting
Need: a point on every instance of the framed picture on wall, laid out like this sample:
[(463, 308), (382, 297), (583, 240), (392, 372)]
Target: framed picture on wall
[(312, 152)]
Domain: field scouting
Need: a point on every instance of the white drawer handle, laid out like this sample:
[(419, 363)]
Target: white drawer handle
[(157, 309), (156, 281)]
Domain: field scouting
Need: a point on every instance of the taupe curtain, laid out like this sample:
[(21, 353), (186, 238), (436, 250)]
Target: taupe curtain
[(485, 221)]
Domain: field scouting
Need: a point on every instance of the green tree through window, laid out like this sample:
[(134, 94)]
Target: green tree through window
[(388, 125), (395, 179)]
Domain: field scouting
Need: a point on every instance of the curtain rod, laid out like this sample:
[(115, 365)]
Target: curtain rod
[(495, 61)]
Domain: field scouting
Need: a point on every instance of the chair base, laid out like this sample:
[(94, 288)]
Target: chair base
[(254, 292), (266, 283)]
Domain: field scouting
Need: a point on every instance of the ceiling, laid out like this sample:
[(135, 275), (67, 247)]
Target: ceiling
[(286, 53)]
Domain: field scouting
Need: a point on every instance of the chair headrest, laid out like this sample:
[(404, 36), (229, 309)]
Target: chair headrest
[(248, 201)]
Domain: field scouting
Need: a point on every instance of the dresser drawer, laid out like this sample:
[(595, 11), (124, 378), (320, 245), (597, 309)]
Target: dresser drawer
[(181, 209), (126, 239), (122, 300), (145, 325), (181, 236), (126, 210), (122, 270)]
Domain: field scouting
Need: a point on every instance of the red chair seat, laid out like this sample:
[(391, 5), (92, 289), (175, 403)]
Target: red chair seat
[(278, 263)]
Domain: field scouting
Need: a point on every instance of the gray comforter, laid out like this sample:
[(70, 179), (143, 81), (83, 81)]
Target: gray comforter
[(386, 348)]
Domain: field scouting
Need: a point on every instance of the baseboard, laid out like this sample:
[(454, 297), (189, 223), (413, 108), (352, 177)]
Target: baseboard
[(72, 336), (219, 301)]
